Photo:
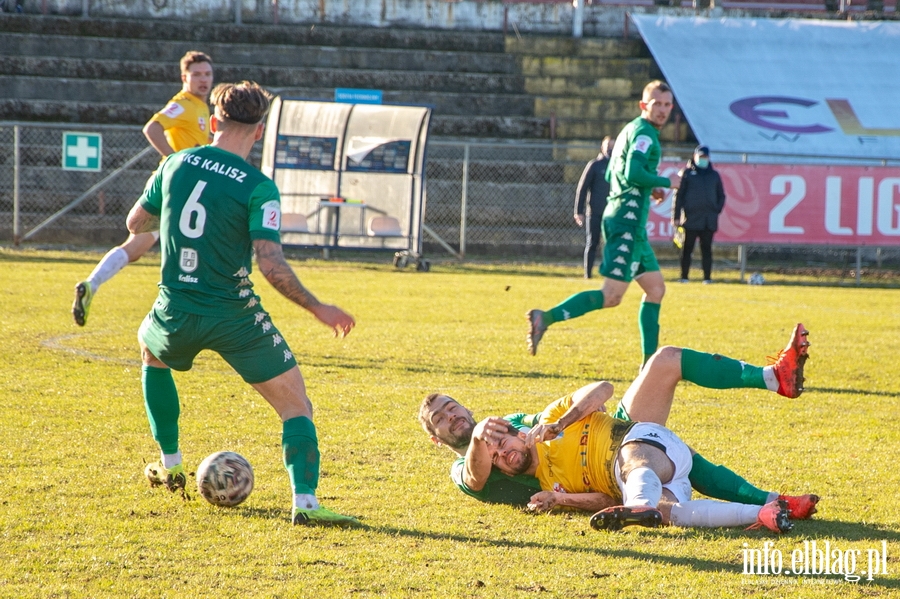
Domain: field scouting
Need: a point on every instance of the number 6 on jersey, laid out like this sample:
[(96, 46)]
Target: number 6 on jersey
[(193, 206)]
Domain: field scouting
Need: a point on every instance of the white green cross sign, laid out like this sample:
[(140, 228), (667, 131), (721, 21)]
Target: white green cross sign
[(81, 151)]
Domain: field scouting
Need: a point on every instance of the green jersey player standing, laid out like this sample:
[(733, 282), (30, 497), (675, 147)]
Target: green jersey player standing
[(627, 254), (213, 210)]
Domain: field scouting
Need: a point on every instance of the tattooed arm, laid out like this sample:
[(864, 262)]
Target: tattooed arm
[(141, 221), (271, 262)]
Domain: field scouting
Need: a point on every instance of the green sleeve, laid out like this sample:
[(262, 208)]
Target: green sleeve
[(264, 212), (151, 199), (638, 174), (521, 420), (500, 488)]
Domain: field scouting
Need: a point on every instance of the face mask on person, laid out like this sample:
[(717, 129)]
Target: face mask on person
[(702, 162)]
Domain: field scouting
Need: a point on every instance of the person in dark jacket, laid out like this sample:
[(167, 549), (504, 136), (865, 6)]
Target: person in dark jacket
[(698, 203), (593, 182)]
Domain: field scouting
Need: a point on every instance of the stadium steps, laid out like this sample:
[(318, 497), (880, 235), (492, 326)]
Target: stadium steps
[(276, 54), (154, 94), (588, 87), (121, 71), (134, 71), (480, 84), (189, 33)]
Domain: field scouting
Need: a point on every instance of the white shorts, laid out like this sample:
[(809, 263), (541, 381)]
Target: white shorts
[(676, 450)]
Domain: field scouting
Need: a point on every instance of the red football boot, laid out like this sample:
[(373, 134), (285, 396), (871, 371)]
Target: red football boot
[(789, 363), (536, 329), (800, 507), (774, 516)]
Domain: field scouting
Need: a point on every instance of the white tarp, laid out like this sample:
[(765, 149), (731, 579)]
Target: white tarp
[(783, 86)]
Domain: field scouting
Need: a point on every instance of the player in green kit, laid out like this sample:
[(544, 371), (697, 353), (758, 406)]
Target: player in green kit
[(648, 399), (627, 253), (214, 210)]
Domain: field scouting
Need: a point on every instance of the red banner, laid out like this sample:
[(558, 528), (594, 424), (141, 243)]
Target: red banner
[(783, 205)]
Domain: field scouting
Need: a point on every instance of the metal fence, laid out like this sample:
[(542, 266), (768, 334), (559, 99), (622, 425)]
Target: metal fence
[(500, 199), (505, 198), (42, 201), (495, 198)]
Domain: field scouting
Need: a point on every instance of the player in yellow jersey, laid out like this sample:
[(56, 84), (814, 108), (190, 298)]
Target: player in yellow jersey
[(642, 465), (182, 124), (648, 399)]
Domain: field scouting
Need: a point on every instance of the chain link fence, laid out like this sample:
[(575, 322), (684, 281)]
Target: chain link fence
[(482, 198), (498, 200), (42, 201), (505, 199)]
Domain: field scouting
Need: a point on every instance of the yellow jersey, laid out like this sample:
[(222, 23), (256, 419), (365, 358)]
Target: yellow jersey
[(185, 120), (583, 458)]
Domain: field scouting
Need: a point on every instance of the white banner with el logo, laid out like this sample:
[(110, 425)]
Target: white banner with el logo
[(800, 87)]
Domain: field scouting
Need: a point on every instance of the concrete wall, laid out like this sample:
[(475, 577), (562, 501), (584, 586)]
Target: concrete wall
[(485, 15)]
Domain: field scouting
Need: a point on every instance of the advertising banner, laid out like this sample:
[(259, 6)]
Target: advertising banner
[(771, 204), (802, 87)]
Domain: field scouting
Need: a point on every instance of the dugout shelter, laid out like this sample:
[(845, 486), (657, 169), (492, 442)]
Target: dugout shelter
[(351, 176)]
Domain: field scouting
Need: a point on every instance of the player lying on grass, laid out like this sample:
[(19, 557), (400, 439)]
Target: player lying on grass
[(649, 398), (644, 466)]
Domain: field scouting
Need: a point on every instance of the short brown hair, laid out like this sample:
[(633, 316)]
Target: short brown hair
[(193, 57), (425, 413), (245, 102), (653, 86)]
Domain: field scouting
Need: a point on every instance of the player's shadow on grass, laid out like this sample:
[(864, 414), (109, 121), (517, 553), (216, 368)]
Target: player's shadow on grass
[(853, 392), (846, 531), (849, 283), (833, 531), (25, 255), (509, 268), (86, 255), (489, 373), (699, 564), (694, 563), (207, 361), (816, 529), (437, 369)]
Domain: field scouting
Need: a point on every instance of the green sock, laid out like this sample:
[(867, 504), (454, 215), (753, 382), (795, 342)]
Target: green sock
[(721, 483), (575, 306), (161, 403), (714, 371), (648, 321), (300, 449)]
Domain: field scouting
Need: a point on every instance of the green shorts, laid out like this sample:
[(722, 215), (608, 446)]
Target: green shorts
[(249, 343), (626, 252)]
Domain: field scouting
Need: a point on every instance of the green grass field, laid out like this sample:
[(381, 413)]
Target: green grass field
[(78, 519)]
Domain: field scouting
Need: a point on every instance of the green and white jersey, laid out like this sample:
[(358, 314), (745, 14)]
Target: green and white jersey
[(502, 488), (212, 204), (632, 173)]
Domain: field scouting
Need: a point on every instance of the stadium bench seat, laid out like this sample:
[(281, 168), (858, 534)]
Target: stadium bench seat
[(384, 226), (294, 223)]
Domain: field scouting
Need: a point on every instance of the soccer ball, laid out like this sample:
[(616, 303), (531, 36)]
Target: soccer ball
[(756, 279), (225, 478)]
